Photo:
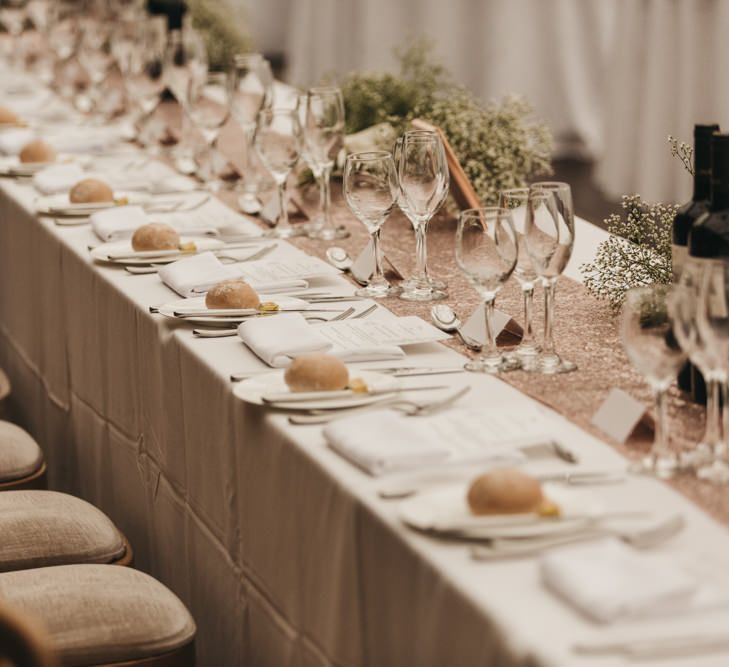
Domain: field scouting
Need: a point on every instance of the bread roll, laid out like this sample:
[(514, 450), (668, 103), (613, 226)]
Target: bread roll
[(37, 151), (232, 294), (316, 372), (91, 190), (155, 236), (7, 116), (505, 491)]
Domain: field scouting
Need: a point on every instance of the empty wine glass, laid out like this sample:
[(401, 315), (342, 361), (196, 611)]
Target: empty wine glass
[(208, 107), (251, 84), (487, 250), (516, 200), (683, 307), (549, 229), (712, 322), (278, 142), (371, 191), (424, 180), (323, 139), (652, 348)]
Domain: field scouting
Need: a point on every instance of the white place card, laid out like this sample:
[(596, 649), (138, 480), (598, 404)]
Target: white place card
[(265, 271), (363, 266), (619, 415), (357, 334), (475, 326)]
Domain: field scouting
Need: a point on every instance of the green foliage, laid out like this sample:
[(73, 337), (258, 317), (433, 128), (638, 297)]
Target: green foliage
[(637, 253), (497, 143), (223, 38)]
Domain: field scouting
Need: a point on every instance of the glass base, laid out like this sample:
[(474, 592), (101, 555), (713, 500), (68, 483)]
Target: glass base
[(663, 467), (327, 233), (553, 364), (283, 233), (412, 293), (378, 291), (249, 203), (493, 365), (716, 472)]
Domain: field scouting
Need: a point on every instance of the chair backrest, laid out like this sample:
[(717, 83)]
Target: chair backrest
[(22, 643)]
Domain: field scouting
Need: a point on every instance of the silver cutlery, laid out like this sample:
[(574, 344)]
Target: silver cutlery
[(550, 448), (395, 371), (365, 313), (343, 315), (214, 333), (409, 407), (239, 313), (304, 396), (656, 648), (339, 258), (156, 255), (445, 318)]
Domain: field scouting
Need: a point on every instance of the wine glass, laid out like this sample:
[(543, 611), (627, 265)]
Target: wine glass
[(278, 142), (251, 84), (371, 191), (648, 339), (516, 200), (549, 228), (683, 307), (323, 139), (424, 180), (208, 107), (13, 14), (487, 250), (712, 322)]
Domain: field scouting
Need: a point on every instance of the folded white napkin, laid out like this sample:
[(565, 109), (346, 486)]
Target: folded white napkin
[(12, 140), (609, 581), (84, 140), (193, 276), (383, 441), (280, 339), (57, 178), (118, 222)]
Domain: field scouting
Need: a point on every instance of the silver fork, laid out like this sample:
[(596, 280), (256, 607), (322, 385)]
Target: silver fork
[(410, 408), (365, 313)]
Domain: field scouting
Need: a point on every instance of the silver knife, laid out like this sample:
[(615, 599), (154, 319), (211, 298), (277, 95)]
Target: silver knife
[(302, 396), (247, 312)]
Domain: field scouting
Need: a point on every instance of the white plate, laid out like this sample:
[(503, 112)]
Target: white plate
[(253, 388), (445, 511), (196, 302), (12, 166), (101, 252), (60, 205)]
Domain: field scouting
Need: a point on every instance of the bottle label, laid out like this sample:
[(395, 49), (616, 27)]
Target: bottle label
[(679, 253)]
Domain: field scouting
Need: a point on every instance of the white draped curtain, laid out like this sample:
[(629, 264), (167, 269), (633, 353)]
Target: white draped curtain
[(612, 78)]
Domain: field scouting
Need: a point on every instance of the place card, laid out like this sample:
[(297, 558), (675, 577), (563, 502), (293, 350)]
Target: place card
[(620, 415), (271, 209), (359, 334), (508, 331), (264, 271), (363, 266)]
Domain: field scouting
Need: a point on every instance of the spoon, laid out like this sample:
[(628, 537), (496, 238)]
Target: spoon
[(445, 318), (339, 258)]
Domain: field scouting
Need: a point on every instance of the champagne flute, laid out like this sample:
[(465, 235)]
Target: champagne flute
[(649, 342), (549, 229), (251, 85), (323, 139), (371, 191), (487, 251), (424, 180), (278, 142), (516, 200), (208, 108), (684, 308), (712, 322)]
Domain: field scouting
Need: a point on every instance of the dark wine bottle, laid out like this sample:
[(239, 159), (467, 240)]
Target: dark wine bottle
[(709, 237), (687, 215)]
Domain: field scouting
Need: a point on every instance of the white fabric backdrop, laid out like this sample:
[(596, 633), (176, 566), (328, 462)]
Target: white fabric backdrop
[(618, 74)]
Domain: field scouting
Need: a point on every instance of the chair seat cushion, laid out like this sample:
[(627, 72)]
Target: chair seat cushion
[(42, 528), (19, 453), (100, 613)]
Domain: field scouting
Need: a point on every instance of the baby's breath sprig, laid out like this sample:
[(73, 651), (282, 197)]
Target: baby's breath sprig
[(684, 152)]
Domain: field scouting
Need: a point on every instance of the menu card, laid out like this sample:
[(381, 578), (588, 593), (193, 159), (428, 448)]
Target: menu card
[(356, 334), (265, 271)]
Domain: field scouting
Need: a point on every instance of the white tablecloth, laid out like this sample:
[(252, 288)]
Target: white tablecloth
[(282, 550)]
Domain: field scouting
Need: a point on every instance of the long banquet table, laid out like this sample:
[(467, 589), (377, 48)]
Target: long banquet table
[(282, 550)]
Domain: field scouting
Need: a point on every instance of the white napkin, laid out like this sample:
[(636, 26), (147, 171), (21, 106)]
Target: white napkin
[(13, 140), (57, 178), (609, 581), (84, 140), (118, 222), (194, 275), (383, 441), (154, 183), (280, 339)]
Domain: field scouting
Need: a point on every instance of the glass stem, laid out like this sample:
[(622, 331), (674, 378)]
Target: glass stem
[(379, 276), (660, 441), (488, 310), (528, 336), (325, 197), (548, 345), (283, 217), (712, 434), (421, 254)]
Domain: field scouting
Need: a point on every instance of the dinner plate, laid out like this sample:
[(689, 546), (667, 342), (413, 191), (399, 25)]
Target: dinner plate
[(445, 511), (60, 205), (252, 389), (198, 302), (11, 165), (102, 252)]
